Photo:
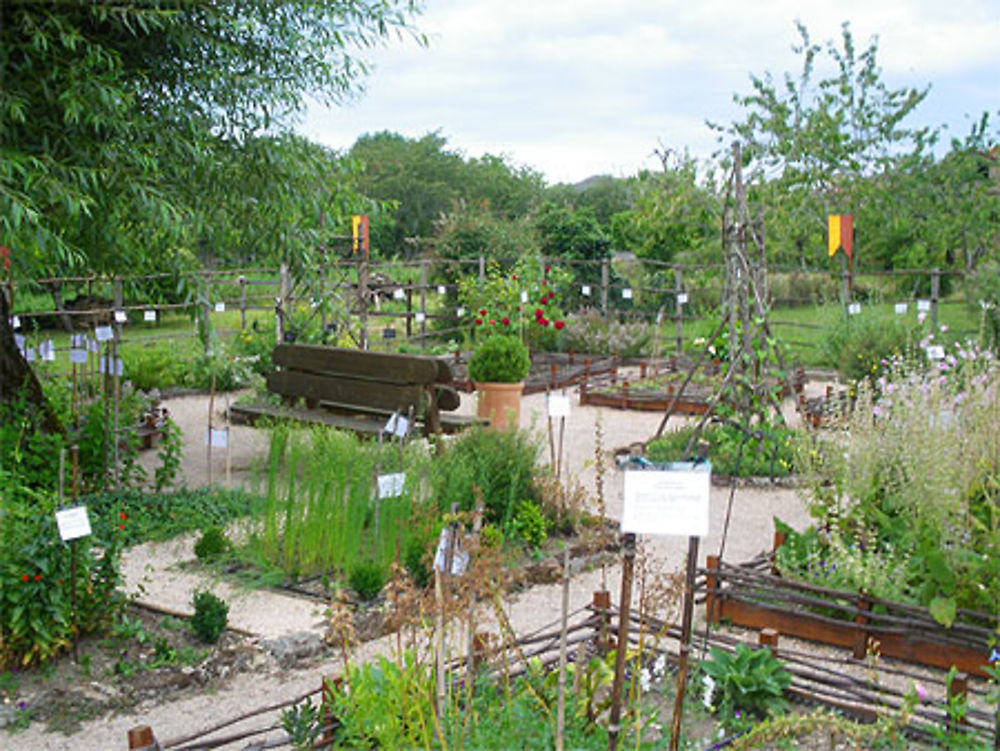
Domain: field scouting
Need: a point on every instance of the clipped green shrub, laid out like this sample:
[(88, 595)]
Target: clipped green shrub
[(500, 358), (211, 614), (367, 579), (211, 544), (499, 466)]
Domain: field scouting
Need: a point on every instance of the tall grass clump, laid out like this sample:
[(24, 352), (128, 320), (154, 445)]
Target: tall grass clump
[(321, 512), (912, 487)]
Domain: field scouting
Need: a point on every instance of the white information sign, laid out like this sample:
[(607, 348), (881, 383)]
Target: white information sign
[(901, 308), (104, 333), (627, 293), (149, 316), (398, 426), (935, 352), (73, 523), (558, 405), (585, 290), (121, 316), (459, 558), (682, 298), (78, 356), (220, 307), (217, 438), (419, 317), (441, 289), (923, 306), (391, 485), (667, 502), (854, 308), (399, 294)]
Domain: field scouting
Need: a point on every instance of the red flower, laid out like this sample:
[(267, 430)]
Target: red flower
[(123, 516), (493, 322), (25, 578), (544, 301), (560, 325), (539, 312), (479, 321), (482, 312), (548, 269), (505, 321), (513, 277), (121, 526), (544, 283), (544, 321), (552, 296), (38, 577)]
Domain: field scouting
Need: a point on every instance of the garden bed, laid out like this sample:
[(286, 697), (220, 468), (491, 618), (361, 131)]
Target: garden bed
[(549, 371)]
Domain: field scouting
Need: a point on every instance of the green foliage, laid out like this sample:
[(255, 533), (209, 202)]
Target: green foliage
[(302, 723), (171, 450), (500, 358), (491, 536), (529, 525), (367, 579), (747, 681), (211, 614), (770, 453), (984, 294), (37, 620), (499, 466), (592, 333), (858, 345), (211, 544)]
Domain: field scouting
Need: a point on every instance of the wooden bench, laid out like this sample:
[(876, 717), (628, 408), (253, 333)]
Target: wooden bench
[(358, 390)]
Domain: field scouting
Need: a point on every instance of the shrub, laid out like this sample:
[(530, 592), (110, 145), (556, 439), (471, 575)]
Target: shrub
[(367, 579), (771, 455), (529, 525), (211, 614), (857, 345), (746, 681), (500, 358), (211, 544), (491, 536), (589, 332), (498, 465)]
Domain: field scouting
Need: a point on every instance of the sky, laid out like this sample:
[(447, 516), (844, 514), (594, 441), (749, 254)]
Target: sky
[(575, 88)]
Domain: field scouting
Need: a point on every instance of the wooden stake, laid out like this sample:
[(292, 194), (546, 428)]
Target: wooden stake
[(561, 710), (685, 646), (628, 565)]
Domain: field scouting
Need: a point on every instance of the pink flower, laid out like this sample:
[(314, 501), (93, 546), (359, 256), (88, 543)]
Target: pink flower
[(505, 321), (921, 691)]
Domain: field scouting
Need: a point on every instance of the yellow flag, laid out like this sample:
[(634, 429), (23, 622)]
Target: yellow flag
[(834, 238), (355, 225)]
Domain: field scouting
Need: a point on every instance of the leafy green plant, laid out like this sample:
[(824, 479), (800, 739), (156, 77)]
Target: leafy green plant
[(211, 544), (589, 331), (171, 450), (302, 723), (367, 579), (769, 452), (500, 358), (857, 345), (211, 614), (529, 525), (746, 681)]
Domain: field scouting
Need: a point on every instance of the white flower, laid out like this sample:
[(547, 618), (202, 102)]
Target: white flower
[(709, 684)]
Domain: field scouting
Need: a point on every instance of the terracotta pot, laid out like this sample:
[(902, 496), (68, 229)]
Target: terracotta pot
[(500, 403)]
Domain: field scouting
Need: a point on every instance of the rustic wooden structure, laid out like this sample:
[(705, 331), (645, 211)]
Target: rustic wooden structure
[(358, 390), (752, 596)]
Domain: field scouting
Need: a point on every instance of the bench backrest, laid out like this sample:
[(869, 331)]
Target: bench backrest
[(376, 380)]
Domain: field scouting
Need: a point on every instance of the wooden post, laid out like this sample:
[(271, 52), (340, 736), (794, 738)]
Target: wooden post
[(679, 314), (602, 606), (141, 738), (935, 294), (561, 703), (243, 301), (628, 565), (685, 645), (958, 690), (768, 637), (482, 268), (423, 305), (604, 288), (328, 690), (119, 304), (860, 634), (279, 305), (409, 312), (712, 601), (779, 540), (363, 297)]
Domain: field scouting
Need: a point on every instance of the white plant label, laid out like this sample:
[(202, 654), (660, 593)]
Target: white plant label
[(419, 317), (78, 356), (391, 485), (105, 366), (558, 405), (48, 351), (149, 316), (93, 346), (397, 426), (19, 342), (585, 290), (923, 306), (104, 333), (682, 298), (524, 296), (667, 502), (935, 352), (459, 558), (460, 312), (398, 294), (217, 438), (901, 308), (854, 308), (659, 317), (15, 322), (73, 523), (442, 289), (121, 316), (220, 307), (627, 293), (29, 354)]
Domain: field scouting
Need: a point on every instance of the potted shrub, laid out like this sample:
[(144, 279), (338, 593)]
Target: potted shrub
[(498, 368)]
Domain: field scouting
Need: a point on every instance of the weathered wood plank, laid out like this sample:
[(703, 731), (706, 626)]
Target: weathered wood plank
[(384, 367), (368, 423), (321, 388)]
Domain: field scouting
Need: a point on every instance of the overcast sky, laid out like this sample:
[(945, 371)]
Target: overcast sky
[(581, 87)]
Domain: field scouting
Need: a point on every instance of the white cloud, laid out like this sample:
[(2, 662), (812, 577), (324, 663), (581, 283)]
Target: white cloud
[(574, 87)]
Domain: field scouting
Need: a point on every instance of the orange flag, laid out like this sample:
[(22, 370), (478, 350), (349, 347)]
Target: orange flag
[(841, 234), (833, 241)]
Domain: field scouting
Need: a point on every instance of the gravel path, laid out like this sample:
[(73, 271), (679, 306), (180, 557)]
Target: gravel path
[(154, 568)]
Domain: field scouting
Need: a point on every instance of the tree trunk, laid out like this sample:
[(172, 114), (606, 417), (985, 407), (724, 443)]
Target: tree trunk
[(17, 377)]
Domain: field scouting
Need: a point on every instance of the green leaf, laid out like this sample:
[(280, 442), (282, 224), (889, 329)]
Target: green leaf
[(943, 610)]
